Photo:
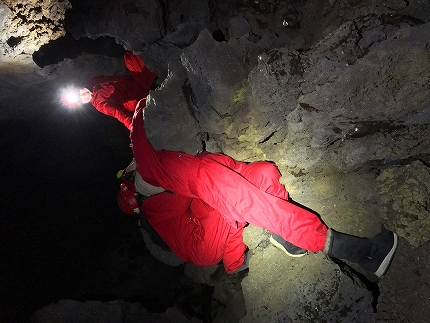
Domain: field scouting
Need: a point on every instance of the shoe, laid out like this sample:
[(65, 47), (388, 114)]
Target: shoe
[(287, 247), (386, 243), (373, 254)]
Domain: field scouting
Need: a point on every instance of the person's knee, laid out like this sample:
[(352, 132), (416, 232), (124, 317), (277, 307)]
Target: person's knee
[(263, 173)]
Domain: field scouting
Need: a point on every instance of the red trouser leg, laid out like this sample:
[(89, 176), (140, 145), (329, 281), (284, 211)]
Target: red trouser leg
[(265, 176), (239, 200)]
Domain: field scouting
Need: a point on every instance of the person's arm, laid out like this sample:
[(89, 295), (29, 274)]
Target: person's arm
[(102, 102), (100, 79), (140, 73), (234, 253)]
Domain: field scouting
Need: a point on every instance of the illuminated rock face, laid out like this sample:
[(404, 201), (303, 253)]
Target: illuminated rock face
[(24, 27)]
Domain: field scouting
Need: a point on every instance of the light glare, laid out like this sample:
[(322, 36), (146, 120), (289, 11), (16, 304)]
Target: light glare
[(72, 97)]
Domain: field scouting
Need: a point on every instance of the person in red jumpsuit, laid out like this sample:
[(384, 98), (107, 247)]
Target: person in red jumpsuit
[(221, 186), (118, 95), (196, 232)]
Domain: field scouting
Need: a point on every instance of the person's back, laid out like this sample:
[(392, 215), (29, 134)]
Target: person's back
[(194, 231)]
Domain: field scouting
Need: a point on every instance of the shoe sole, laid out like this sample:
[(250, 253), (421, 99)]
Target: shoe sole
[(280, 247), (386, 262)]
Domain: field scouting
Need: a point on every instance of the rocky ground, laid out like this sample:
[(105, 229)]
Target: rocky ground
[(335, 92)]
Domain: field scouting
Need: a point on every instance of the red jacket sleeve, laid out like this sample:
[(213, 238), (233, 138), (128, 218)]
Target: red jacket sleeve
[(102, 101), (141, 74), (99, 80), (234, 253)]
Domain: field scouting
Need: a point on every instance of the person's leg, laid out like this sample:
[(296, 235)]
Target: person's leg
[(265, 176), (239, 200), (236, 197)]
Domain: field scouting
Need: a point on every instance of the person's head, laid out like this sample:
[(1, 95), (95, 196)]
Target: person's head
[(73, 96), (85, 95)]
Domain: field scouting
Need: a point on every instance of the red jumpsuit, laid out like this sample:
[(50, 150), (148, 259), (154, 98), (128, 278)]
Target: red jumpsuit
[(222, 187), (196, 232), (117, 96)]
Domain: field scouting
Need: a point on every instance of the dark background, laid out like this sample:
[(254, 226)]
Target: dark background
[(58, 210), (58, 202)]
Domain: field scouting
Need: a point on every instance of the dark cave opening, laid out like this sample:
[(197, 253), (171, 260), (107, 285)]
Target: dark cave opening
[(68, 47), (219, 36)]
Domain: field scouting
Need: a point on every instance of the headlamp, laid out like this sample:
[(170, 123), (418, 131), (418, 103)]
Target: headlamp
[(70, 97)]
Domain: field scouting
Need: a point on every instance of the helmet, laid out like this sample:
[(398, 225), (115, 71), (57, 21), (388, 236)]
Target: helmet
[(127, 200), (70, 97)]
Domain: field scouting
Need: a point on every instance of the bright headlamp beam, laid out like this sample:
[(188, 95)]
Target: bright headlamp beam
[(72, 97)]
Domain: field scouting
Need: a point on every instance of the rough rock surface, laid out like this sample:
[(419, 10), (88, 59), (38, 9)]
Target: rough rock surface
[(100, 312), (404, 199), (24, 27), (277, 288), (335, 92), (161, 110)]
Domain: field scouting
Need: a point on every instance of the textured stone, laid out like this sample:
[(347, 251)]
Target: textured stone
[(100, 312), (161, 110), (216, 77), (404, 196), (133, 24), (24, 27), (306, 289)]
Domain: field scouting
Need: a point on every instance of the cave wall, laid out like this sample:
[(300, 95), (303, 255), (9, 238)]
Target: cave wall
[(24, 27)]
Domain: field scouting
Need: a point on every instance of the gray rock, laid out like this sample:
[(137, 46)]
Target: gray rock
[(25, 28), (134, 25), (184, 35), (216, 77), (306, 289), (404, 197), (167, 257), (239, 26), (68, 310), (334, 103), (171, 101)]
